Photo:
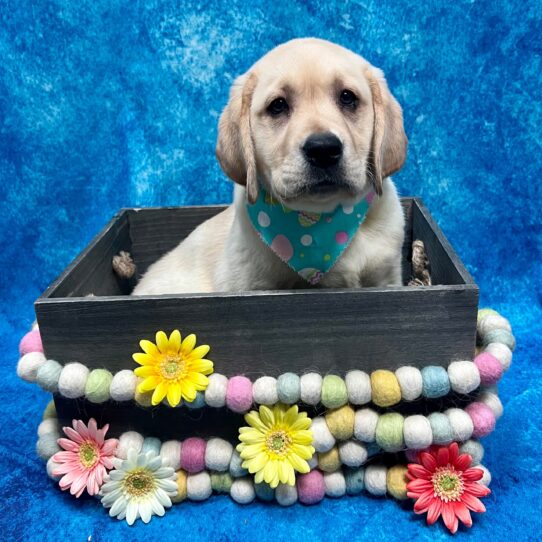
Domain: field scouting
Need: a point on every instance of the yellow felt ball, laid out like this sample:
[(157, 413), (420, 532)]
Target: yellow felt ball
[(329, 461), (396, 481), (143, 399), (340, 422), (50, 410), (385, 388), (181, 487)]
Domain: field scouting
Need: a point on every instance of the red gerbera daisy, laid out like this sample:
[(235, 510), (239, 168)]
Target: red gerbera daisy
[(444, 483)]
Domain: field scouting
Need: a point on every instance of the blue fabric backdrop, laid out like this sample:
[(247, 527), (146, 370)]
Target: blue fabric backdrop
[(110, 104)]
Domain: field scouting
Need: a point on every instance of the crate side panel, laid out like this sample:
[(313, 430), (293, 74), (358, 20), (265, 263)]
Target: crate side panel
[(272, 334), (446, 266), (154, 232), (92, 273)]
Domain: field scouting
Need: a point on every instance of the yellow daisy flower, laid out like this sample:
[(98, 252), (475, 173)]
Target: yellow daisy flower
[(277, 443), (172, 368)]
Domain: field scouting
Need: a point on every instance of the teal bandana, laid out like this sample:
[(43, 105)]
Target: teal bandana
[(310, 243)]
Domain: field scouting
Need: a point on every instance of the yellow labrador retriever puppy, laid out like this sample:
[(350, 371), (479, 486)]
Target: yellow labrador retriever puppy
[(310, 135)]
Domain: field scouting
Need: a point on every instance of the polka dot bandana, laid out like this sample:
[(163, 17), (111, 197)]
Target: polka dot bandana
[(310, 243)]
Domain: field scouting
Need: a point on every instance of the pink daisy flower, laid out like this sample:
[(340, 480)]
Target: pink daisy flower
[(86, 458), (444, 483)]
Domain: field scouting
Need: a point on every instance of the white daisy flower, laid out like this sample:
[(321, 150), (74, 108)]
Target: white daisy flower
[(139, 487)]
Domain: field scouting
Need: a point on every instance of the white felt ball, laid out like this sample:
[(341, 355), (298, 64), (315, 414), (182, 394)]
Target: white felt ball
[(365, 424), (492, 322), (218, 454), (311, 388), (123, 386), (47, 446), (313, 461), (127, 441), (358, 386), (323, 440), (335, 484), (501, 352), (410, 381), (461, 423), (417, 432), (215, 394), (72, 381), (286, 495), (198, 486), (492, 401), (29, 364), (170, 452), (236, 469), (474, 449), (264, 391), (35, 325), (49, 426), (352, 453), (51, 466), (486, 478), (464, 376), (242, 490), (375, 479)]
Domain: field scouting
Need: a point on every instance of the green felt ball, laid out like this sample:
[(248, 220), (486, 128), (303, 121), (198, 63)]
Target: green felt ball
[(97, 386), (389, 432), (334, 392), (221, 482)]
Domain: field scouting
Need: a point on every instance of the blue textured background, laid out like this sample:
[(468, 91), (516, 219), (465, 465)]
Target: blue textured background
[(110, 104)]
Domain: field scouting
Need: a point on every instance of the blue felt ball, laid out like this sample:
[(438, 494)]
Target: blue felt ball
[(435, 382)]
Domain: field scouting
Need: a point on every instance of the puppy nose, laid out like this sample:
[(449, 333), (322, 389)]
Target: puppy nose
[(323, 150)]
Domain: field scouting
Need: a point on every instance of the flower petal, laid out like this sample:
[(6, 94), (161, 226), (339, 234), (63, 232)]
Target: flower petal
[(448, 516), (144, 359), (146, 370), (462, 512), (300, 465), (131, 512), (463, 462), (175, 341), (159, 393), (148, 384), (423, 502), (473, 503), (188, 391), (203, 366), (434, 511), (428, 461), (254, 420), (473, 474), (188, 344), (419, 485), (419, 471), (477, 489), (174, 394), (443, 457), (149, 348), (198, 353)]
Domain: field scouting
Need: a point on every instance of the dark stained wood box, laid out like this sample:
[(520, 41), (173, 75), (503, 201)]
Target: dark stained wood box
[(87, 315)]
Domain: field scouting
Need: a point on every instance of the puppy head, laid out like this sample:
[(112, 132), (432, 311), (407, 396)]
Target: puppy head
[(314, 124)]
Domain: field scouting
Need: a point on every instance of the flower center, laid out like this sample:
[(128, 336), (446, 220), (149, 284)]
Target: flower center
[(447, 483), (172, 366), (138, 483), (278, 442), (88, 455)]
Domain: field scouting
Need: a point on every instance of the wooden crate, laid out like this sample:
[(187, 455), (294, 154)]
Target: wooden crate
[(87, 315)]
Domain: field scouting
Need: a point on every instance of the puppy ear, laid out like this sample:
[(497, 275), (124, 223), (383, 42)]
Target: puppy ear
[(389, 142), (235, 147)]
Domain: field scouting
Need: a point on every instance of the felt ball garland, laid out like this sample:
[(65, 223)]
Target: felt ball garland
[(350, 437), (384, 388)]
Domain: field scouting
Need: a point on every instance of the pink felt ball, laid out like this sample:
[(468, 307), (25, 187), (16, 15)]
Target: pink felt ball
[(193, 455), (311, 487), (31, 342), (482, 418), (489, 367), (239, 394)]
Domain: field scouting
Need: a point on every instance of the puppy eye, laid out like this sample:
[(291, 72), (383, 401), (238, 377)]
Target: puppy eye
[(348, 99), (278, 107)]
